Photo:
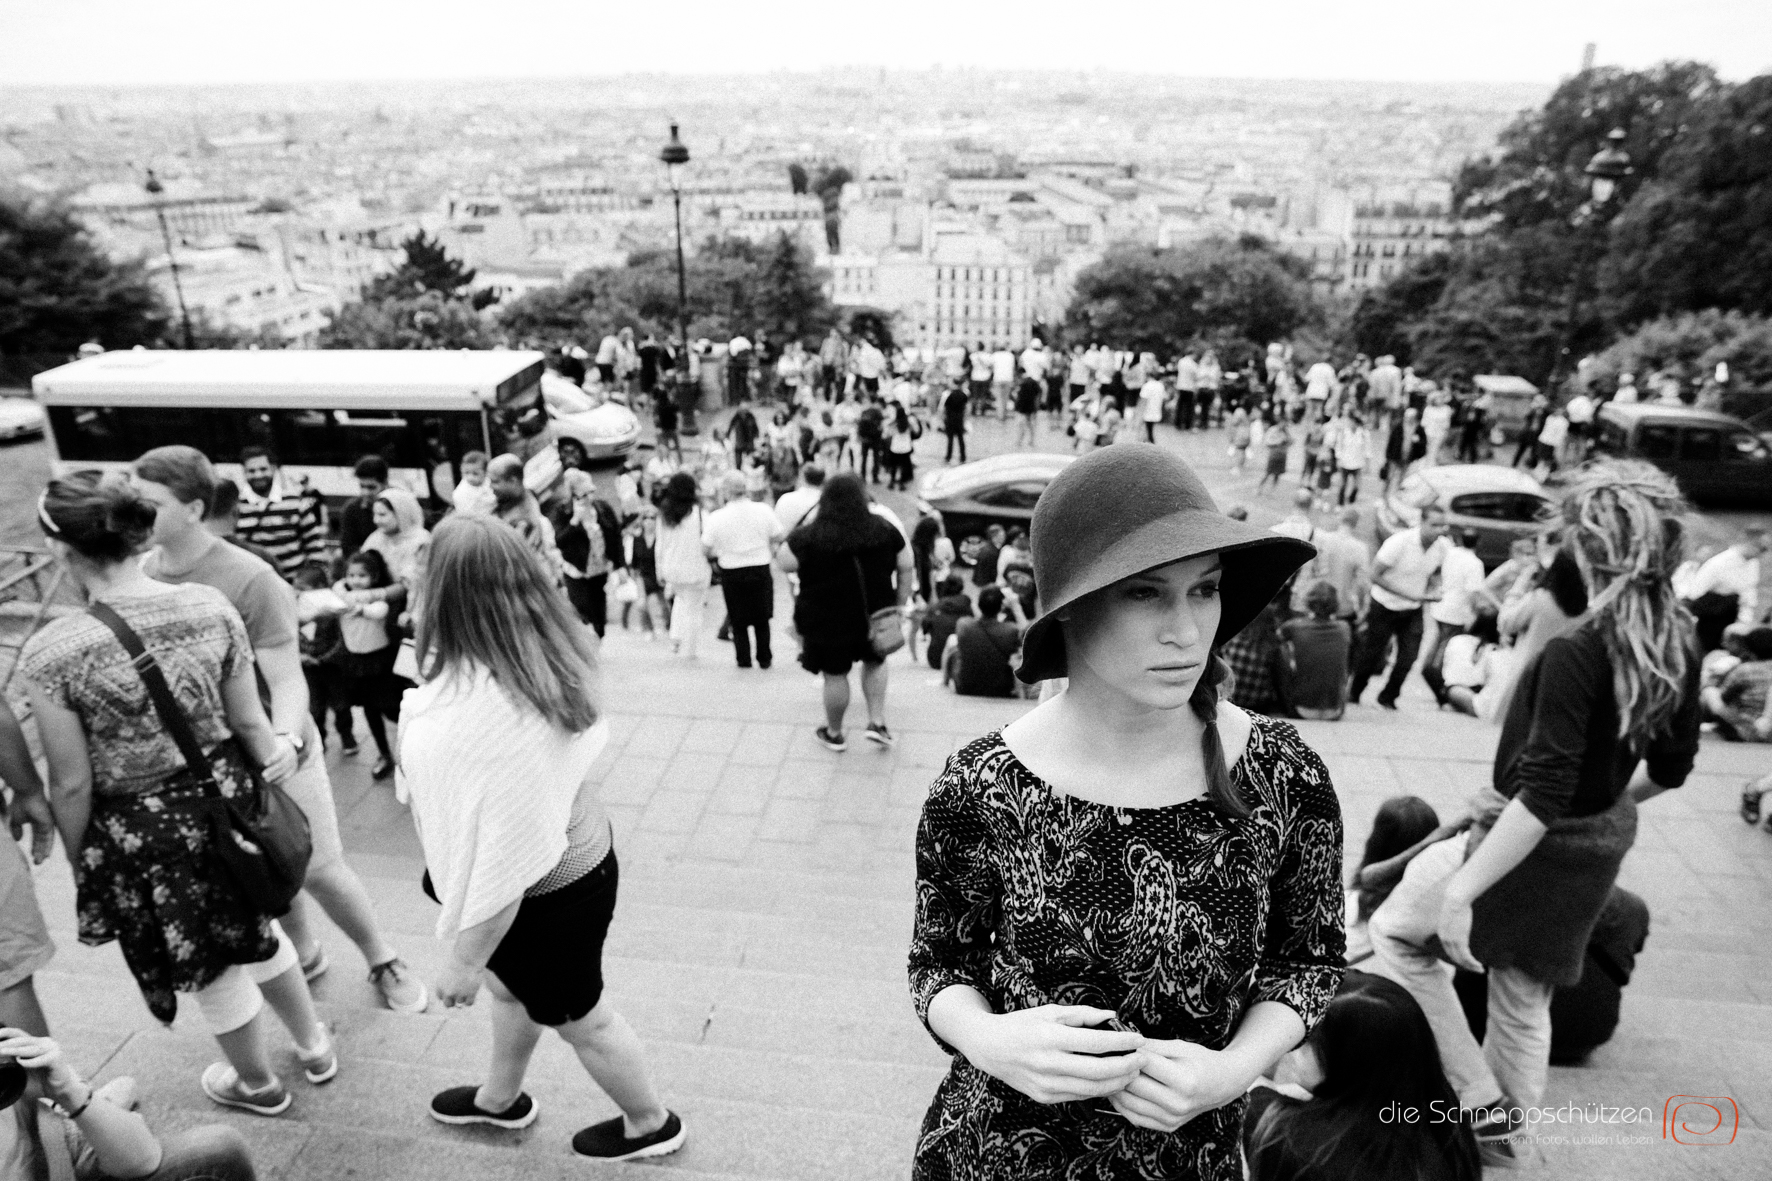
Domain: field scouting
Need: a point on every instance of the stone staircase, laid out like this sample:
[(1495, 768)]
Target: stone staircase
[(759, 949)]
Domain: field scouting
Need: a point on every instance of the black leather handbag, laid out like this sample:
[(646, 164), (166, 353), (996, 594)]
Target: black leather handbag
[(263, 852)]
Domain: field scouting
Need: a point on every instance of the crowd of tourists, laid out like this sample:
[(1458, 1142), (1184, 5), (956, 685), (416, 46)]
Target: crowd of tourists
[(1132, 931)]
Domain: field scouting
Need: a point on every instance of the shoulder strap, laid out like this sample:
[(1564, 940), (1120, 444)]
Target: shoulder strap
[(861, 583), (171, 716), (52, 1134)]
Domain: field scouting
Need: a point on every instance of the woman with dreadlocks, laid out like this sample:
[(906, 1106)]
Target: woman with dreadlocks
[(1603, 719)]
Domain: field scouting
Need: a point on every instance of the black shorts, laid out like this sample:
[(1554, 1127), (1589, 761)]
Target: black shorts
[(834, 658), (551, 959)]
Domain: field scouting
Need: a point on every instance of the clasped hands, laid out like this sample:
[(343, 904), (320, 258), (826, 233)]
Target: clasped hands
[(1052, 1054)]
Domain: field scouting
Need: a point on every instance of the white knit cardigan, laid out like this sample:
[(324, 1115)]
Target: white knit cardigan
[(491, 784)]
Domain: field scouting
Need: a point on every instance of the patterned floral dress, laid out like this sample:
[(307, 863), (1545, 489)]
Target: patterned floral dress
[(145, 875), (1179, 918)]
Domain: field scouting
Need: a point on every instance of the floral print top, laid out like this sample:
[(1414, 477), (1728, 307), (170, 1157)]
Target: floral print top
[(1179, 918), (197, 638)]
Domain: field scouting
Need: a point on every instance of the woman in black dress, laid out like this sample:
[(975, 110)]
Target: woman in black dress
[(1128, 901)]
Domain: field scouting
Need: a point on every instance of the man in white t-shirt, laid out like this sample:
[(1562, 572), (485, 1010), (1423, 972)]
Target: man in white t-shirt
[(1319, 387), (1003, 380), (741, 538), (1461, 579), (1187, 391), (1151, 397), (1405, 577), (1035, 360)]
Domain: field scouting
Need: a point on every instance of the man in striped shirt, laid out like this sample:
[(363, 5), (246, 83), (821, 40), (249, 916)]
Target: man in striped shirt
[(270, 516)]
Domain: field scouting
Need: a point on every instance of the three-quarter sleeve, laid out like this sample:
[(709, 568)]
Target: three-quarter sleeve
[(957, 894), (1547, 771), (1304, 944), (1672, 753)]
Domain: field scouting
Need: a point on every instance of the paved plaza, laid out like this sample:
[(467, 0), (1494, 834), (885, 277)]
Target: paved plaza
[(759, 946)]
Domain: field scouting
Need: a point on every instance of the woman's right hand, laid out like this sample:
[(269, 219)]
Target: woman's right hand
[(1050, 1055)]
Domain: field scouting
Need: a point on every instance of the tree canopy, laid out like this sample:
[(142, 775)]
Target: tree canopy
[(1236, 294), (58, 290), (733, 285), (1689, 228), (428, 266), (1699, 234)]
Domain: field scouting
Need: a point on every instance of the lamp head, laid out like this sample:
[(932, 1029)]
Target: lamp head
[(1610, 165), (675, 152)]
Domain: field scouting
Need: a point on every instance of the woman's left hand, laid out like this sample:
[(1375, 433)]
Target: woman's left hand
[(459, 984), (1180, 1080), (1455, 933)]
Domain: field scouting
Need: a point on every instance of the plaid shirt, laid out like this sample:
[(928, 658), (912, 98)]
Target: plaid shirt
[(1254, 655)]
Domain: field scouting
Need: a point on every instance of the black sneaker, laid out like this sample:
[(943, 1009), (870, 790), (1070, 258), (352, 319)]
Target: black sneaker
[(456, 1106), (879, 734), (605, 1141), (831, 741)]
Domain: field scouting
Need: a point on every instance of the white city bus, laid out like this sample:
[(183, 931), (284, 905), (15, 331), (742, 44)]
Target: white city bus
[(317, 412)]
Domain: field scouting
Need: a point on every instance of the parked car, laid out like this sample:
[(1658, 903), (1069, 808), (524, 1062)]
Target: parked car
[(1715, 459), (1500, 503), (1001, 490), (20, 418)]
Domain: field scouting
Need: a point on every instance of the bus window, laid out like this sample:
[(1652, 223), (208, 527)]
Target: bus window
[(118, 434), (322, 445)]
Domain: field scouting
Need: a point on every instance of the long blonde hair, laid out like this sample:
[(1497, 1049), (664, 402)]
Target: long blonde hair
[(1622, 525), (489, 603)]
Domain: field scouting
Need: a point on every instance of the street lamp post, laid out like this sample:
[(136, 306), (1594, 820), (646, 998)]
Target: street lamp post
[(154, 189), (1609, 166), (675, 154)]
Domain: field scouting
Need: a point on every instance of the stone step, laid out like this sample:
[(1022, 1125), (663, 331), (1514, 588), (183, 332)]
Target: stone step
[(742, 1121)]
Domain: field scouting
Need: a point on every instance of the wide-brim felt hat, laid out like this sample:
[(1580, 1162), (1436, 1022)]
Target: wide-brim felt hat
[(1132, 507)]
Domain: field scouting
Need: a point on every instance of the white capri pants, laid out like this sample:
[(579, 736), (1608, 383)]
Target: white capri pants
[(233, 999)]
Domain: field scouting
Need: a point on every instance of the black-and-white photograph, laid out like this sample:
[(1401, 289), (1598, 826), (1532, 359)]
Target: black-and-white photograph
[(948, 592)]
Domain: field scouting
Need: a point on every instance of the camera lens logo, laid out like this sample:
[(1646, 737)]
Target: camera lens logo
[(1706, 1121)]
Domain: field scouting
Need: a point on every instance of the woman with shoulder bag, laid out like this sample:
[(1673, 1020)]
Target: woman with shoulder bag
[(131, 810), (853, 565), (496, 762)]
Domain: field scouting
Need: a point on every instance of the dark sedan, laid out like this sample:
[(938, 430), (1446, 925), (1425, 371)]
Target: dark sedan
[(1001, 490), (1500, 503)]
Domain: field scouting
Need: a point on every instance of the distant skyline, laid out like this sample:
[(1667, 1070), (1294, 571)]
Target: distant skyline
[(200, 42)]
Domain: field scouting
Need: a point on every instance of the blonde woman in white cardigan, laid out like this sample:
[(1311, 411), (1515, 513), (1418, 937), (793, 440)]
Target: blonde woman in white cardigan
[(496, 748)]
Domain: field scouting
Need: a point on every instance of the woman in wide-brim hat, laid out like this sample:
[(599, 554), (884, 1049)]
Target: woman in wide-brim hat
[(1128, 904)]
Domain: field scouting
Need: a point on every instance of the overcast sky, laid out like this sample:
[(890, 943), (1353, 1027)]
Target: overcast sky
[(204, 41)]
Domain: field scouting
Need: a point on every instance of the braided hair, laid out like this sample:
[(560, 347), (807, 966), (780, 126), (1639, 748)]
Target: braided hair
[(1220, 791), (1622, 526)]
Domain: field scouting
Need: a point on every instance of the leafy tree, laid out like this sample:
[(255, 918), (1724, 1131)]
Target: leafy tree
[(788, 294), (1232, 293), (733, 285), (1380, 318), (426, 321), (1537, 177), (58, 290), (1700, 234), (210, 333), (829, 187), (428, 266)]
